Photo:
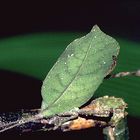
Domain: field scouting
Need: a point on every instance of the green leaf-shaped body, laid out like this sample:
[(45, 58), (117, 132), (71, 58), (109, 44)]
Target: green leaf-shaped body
[(78, 72)]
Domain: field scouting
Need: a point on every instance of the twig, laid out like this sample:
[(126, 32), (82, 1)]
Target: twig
[(87, 117), (23, 119), (123, 74)]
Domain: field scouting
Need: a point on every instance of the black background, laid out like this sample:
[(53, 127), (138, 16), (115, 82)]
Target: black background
[(121, 18)]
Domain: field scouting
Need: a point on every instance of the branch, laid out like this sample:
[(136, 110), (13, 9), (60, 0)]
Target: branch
[(89, 116), (123, 74)]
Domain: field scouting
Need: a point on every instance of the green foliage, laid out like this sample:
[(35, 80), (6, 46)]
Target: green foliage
[(34, 55), (127, 88), (78, 72)]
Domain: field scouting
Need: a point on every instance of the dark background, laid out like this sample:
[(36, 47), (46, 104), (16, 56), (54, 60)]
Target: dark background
[(119, 18)]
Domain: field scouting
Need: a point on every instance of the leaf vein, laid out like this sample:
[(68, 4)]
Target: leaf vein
[(57, 99)]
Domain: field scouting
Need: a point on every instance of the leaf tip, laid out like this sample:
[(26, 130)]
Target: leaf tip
[(95, 28)]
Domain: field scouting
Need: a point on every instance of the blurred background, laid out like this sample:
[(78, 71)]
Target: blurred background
[(33, 35)]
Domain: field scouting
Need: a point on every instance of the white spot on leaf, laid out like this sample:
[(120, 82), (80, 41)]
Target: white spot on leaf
[(104, 62), (69, 55)]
